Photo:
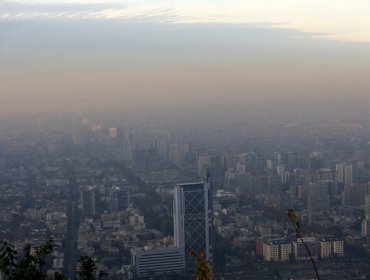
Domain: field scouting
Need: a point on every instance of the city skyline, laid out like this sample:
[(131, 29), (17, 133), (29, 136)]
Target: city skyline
[(122, 198), (167, 139)]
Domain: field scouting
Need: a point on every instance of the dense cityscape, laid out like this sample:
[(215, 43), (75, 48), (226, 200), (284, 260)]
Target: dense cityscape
[(115, 188), (184, 140)]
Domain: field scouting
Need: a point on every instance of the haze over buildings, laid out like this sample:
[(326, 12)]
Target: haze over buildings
[(110, 112), (59, 56)]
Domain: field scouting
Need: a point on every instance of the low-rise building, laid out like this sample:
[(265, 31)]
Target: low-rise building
[(158, 261)]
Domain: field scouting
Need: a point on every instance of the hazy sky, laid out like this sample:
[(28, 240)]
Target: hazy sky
[(57, 55)]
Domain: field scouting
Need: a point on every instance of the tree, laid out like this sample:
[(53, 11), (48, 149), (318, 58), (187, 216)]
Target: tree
[(58, 276), (202, 267), (7, 259), (30, 267), (33, 263), (88, 269)]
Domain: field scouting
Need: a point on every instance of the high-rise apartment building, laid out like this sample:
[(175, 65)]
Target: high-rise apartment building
[(365, 226), (337, 248), (344, 173), (276, 250), (325, 249), (119, 199), (292, 160), (178, 153), (89, 201), (193, 220), (318, 196), (367, 207), (329, 247), (300, 250), (355, 195)]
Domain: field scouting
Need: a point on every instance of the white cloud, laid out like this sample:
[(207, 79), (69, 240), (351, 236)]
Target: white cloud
[(341, 19)]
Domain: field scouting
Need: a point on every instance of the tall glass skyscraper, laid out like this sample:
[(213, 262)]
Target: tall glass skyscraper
[(193, 220)]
